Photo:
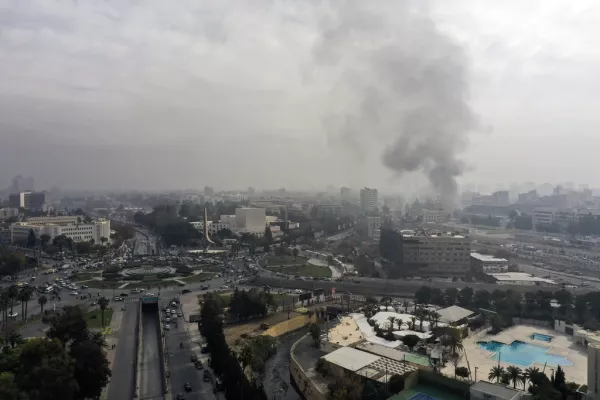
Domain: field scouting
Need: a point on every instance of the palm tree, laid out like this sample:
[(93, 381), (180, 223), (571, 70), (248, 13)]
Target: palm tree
[(515, 375), (399, 322), (528, 373), (392, 320), (421, 316), (42, 300), (13, 293), (14, 338), (413, 320), (434, 318), (295, 253), (405, 304), (25, 295), (496, 373), (103, 303)]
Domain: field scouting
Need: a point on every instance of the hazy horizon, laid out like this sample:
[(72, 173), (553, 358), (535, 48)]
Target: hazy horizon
[(153, 95)]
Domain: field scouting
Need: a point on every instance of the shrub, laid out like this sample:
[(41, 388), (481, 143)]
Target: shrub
[(463, 372)]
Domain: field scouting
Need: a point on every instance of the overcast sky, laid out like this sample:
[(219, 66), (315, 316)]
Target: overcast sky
[(181, 94)]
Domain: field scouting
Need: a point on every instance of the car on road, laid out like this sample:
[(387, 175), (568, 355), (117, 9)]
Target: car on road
[(167, 326), (204, 287), (199, 365), (206, 376), (13, 314), (187, 387), (124, 294), (74, 293), (184, 291), (194, 357), (224, 287), (149, 294), (179, 314), (117, 298), (180, 396), (84, 286)]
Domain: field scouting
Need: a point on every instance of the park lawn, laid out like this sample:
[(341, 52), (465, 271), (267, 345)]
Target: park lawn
[(284, 260), (93, 318), (85, 276), (201, 277), (103, 284), (158, 284), (207, 268), (314, 271)]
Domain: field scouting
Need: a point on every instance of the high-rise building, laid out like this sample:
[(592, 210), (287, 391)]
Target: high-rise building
[(28, 200), (368, 199), (345, 192), (208, 191)]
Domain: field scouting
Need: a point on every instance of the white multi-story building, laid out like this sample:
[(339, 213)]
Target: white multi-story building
[(8, 212), (251, 220), (60, 220), (435, 216), (229, 220), (368, 199), (77, 232), (213, 226)]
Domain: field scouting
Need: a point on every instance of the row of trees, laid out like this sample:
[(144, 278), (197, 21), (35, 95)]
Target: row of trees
[(251, 303), (69, 363), (540, 386), (223, 361)]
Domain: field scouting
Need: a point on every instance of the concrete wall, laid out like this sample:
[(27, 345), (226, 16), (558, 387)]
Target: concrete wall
[(140, 346), (300, 379), (411, 380), (162, 352)]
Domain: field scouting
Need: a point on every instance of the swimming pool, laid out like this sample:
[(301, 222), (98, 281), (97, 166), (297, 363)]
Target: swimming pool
[(521, 353), (541, 336)]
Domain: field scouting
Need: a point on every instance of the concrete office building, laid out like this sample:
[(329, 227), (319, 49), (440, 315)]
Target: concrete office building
[(28, 200), (250, 220), (426, 253), (370, 225), (369, 199), (433, 216), (62, 220), (77, 232), (8, 212), (487, 263)]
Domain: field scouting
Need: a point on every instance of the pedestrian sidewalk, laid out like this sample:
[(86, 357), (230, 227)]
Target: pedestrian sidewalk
[(112, 340)]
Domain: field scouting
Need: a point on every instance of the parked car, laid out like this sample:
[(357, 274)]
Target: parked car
[(206, 376), (188, 387), (124, 294), (194, 357)]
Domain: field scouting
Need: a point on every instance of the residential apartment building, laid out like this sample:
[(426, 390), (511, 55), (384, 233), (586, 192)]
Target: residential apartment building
[(426, 253), (369, 199), (77, 232)]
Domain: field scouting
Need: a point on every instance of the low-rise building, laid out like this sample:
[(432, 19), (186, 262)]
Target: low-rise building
[(8, 212), (484, 390), (95, 231), (435, 216), (488, 263), (520, 278)]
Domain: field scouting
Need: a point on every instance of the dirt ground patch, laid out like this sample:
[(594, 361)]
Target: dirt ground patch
[(234, 332)]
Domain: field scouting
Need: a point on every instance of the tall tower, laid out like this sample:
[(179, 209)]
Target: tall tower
[(205, 238)]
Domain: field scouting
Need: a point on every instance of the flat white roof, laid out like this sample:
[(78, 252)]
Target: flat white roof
[(519, 276), (350, 358), (487, 257)]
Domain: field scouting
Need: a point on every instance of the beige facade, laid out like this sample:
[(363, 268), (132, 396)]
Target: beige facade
[(445, 255), (77, 232)]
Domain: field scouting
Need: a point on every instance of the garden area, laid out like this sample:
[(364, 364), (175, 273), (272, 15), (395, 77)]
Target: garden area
[(284, 259), (94, 318), (309, 270)]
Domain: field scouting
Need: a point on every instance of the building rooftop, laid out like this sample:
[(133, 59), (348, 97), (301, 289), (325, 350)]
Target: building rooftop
[(519, 276), (487, 257), (496, 390), (454, 314), (350, 358)]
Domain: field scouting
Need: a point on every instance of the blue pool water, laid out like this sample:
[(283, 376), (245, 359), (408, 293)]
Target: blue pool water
[(523, 354), (541, 336)]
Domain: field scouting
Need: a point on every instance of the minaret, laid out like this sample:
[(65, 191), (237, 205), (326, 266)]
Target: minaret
[(205, 238)]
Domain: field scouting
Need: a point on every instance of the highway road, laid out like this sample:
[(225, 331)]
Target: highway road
[(180, 365), (122, 384), (151, 379)]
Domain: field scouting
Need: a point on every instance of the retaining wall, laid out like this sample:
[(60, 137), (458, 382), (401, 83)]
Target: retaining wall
[(300, 379)]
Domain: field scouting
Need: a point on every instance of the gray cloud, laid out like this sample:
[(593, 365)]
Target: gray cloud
[(130, 94)]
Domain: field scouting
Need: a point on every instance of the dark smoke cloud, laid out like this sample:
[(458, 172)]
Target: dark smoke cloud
[(405, 85)]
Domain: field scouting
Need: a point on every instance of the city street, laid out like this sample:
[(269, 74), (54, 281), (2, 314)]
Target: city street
[(180, 365), (121, 386)]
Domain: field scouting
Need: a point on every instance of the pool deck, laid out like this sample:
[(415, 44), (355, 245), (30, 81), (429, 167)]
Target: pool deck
[(561, 345)]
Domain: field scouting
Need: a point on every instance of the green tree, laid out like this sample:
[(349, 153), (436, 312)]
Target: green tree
[(44, 240), (423, 295), (46, 371), (24, 296), (410, 341), (516, 375), (14, 338), (31, 239), (315, 333), (295, 253), (42, 300), (103, 304)]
